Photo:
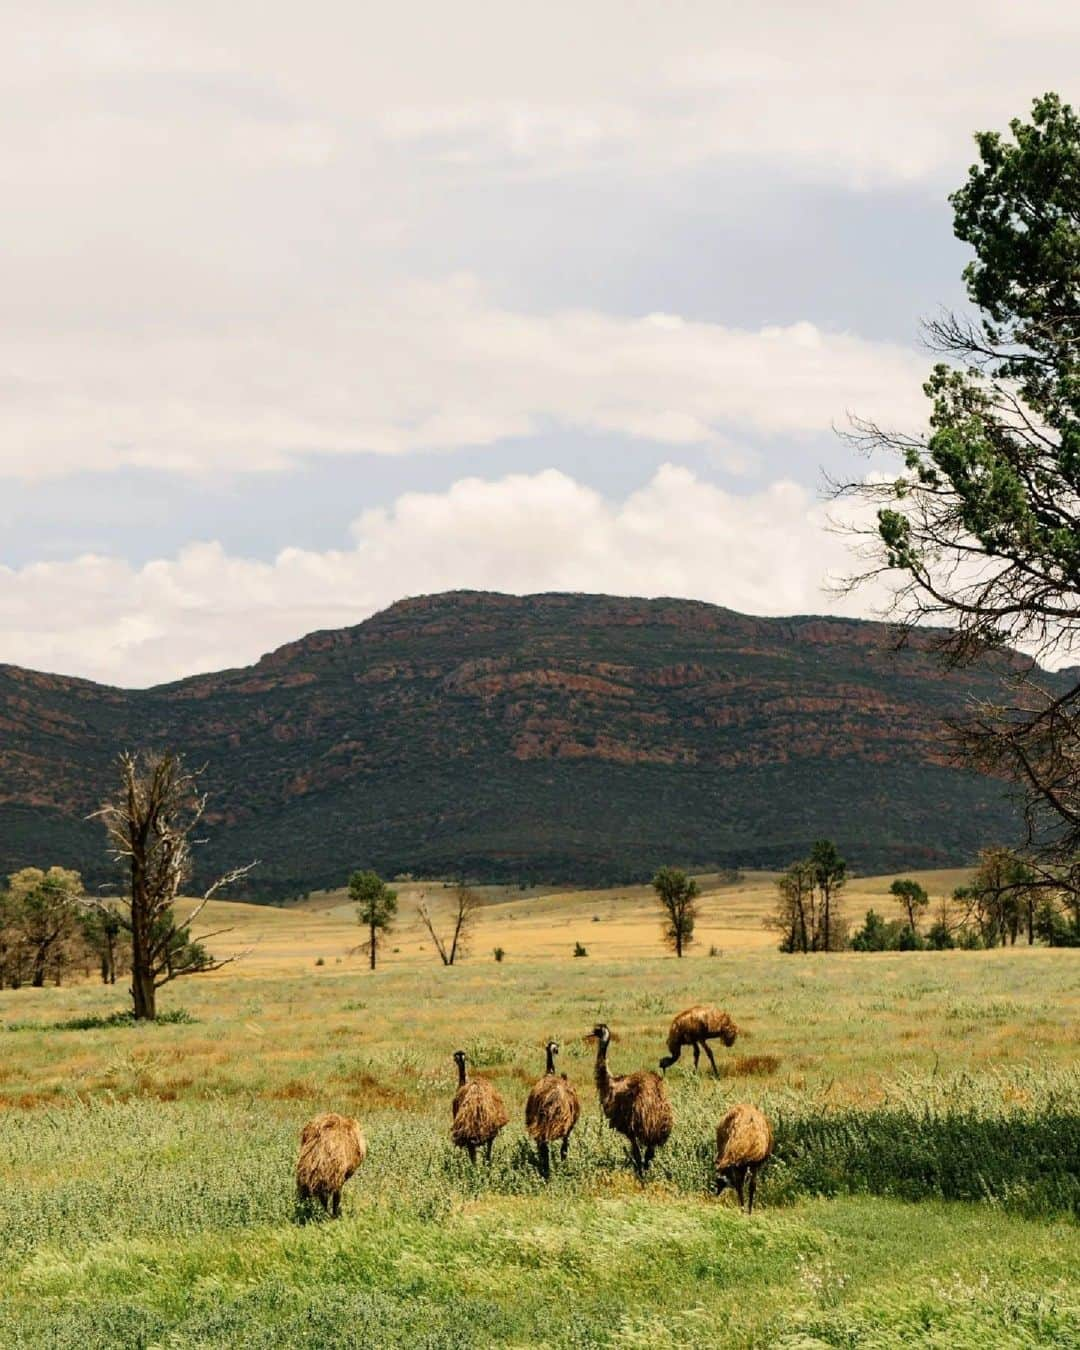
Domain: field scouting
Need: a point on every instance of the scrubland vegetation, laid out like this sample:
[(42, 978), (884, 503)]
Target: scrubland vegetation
[(924, 1189)]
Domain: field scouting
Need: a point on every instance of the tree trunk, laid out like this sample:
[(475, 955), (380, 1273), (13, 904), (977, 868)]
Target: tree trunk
[(143, 995), (38, 980), (372, 951)]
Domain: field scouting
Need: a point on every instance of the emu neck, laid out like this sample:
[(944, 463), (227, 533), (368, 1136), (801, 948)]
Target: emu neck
[(601, 1075), (550, 1060), (461, 1074)]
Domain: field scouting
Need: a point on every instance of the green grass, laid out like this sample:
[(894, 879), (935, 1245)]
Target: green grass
[(925, 1188)]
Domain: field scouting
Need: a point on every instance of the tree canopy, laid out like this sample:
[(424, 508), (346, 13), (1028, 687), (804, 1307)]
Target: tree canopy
[(979, 527)]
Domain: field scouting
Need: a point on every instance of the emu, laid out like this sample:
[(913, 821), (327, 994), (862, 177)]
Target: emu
[(744, 1143), (635, 1104), (479, 1113), (551, 1111), (696, 1026)]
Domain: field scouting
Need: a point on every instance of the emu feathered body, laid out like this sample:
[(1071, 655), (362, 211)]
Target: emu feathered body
[(744, 1142), (332, 1147), (697, 1026), (552, 1109), (635, 1104)]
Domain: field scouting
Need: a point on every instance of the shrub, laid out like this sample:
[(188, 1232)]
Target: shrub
[(499, 953), (579, 950), (939, 938), (876, 935)]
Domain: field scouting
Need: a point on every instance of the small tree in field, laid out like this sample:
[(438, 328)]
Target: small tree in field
[(913, 899), (151, 823), (677, 894), (466, 905), (376, 909)]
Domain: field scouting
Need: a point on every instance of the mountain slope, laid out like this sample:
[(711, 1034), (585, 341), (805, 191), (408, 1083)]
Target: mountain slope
[(558, 737)]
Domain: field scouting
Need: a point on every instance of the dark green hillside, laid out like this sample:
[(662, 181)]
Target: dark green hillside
[(556, 737)]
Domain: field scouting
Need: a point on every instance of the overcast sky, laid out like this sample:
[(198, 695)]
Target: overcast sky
[(304, 308)]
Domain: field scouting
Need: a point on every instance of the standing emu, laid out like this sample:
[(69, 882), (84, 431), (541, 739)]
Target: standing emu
[(697, 1026), (744, 1141), (479, 1113), (635, 1104), (332, 1147), (551, 1112)]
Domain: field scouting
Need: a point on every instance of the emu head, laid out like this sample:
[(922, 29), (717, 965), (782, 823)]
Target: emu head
[(459, 1058), (728, 1033), (602, 1032), (552, 1047), (666, 1063)]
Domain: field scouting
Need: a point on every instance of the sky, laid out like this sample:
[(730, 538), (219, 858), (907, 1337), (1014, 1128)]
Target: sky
[(304, 309)]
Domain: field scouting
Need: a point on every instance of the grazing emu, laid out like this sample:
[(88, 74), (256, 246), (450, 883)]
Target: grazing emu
[(332, 1147), (636, 1104), (551, 1112), (744, 1141), (697, 1026), (479, 1113)]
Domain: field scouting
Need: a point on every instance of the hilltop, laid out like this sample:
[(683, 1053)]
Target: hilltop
[(560, 738)]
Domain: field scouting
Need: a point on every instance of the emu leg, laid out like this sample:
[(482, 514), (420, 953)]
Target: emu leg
[(708, 1051), (740, 1177), (544, 1158), (335, 1205), (487, 1151), (751, 1190), (649, 1152), (565, 1146), (697, 1055), (635, 1154), (472, 1152)]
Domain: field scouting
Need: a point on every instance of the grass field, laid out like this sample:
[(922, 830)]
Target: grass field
[(925, 1190)]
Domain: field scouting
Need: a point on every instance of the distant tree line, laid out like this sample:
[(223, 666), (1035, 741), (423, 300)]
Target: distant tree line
[(48, 931)]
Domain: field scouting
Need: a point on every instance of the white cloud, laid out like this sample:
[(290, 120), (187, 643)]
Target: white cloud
[(426, 368), (769, 553)]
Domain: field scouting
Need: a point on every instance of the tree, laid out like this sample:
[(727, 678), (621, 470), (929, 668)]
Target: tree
[(376, 907), (980, 526), (466, 905), (677, 894), (102, 932), (829, 872), (913, 898), (1001, 898), (151, 824), (795, 915), (44, 908), (876, 935)]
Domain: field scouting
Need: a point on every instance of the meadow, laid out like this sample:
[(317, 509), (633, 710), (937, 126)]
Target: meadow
[(925, 1189)]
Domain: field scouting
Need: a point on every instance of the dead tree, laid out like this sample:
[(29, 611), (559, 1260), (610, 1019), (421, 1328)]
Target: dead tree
[(150, 824), (466, 905)]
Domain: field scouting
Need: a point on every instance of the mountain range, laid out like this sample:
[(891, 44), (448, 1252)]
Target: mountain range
[(570, 738)]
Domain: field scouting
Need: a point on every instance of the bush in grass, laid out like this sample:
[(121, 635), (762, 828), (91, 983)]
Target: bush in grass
[(579, 950)]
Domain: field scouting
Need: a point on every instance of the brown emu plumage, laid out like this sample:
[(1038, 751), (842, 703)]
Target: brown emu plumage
[(744, 1142), (332, 1147), (697, 1026), (635, 1104), (479, 1112), (551, 1111)]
